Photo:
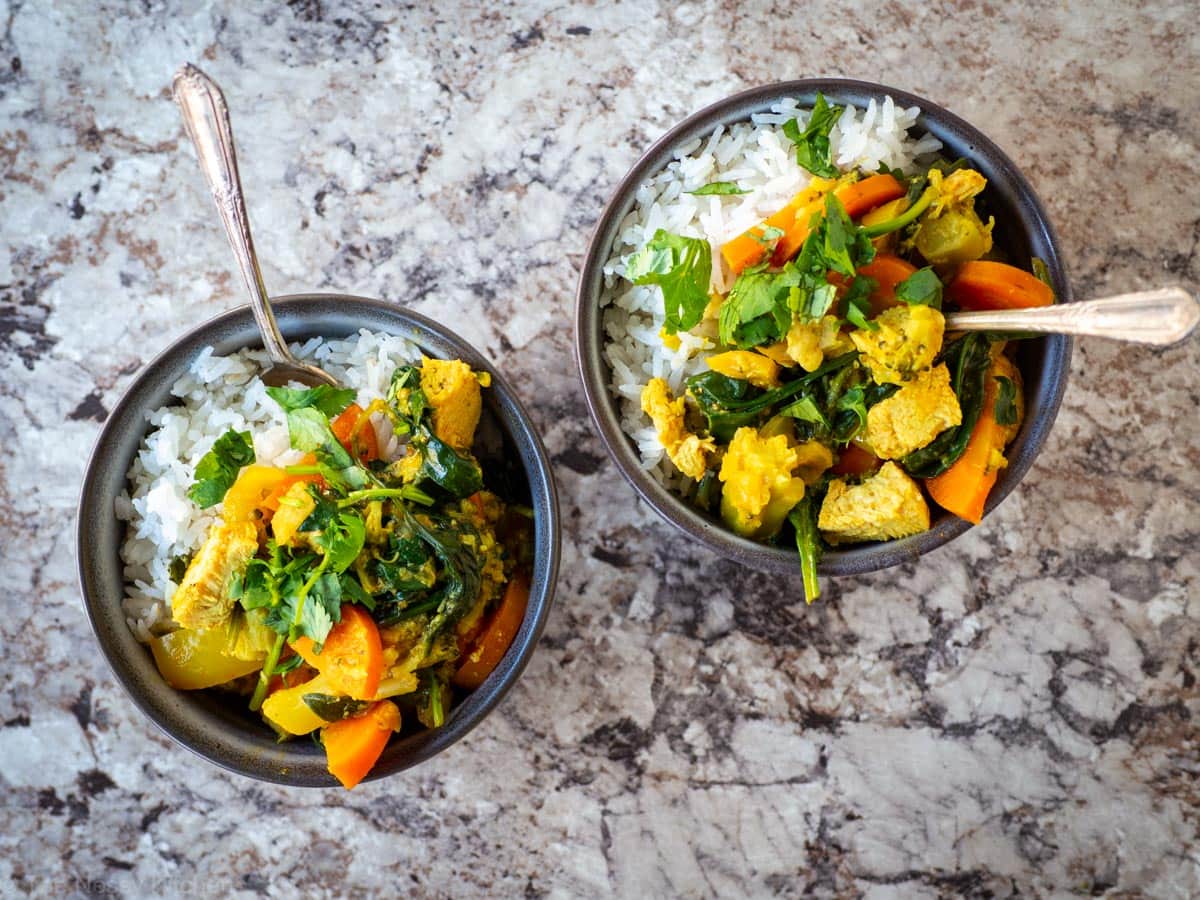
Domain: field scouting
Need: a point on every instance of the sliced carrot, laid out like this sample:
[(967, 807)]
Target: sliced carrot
[(983, 284), (497, 635), (857, 198), (353, 746), (963, 488), (352, 657), (888, 271), (855, 460), (355, 432), (795, 221)]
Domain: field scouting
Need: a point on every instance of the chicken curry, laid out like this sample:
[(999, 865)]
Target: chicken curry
[(835, 405), (348, 592)]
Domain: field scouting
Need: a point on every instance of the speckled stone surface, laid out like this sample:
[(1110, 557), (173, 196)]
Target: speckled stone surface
[(1016, 715)]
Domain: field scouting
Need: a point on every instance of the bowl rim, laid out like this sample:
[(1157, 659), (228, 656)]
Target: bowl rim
[(594, 370), (294, 763)]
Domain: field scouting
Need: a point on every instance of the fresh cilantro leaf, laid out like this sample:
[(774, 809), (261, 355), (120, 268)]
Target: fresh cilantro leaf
[(218, 468), (843, 245), (758, 308), (682, 268), (810, 305), (322, 514), (717, 188), (342, 540), (309, 431), (326, 398), (766, 235), (858, 304), (1005, 408), (805, 409), (812, 144), (921, 288)]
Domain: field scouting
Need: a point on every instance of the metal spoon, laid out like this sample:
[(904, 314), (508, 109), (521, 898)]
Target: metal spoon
[(1164, 316), (206, 117)]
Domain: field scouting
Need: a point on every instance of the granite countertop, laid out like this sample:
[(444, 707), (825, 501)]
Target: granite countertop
[(1015, 714)]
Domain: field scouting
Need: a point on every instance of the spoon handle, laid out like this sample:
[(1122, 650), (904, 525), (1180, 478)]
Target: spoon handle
[(1161, 317), (206, 117)]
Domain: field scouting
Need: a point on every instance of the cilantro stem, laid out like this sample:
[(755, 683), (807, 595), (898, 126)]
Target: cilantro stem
[(268, 669), (408, 492), (909, 215), (264, 677)]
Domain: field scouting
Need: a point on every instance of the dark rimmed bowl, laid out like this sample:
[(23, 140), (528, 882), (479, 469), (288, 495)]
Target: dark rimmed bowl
[(1022, 231), (221, 729)]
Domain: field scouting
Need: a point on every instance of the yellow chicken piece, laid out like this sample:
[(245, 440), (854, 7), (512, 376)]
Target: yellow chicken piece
[(914, 415), (295, 506), (905, 343), (202, 600), (453, 391), (887, 505), (956, 189), (688, 452), (810, 343), (761, 483), (745, 365)]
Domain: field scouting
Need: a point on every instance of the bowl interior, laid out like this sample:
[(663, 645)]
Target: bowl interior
[(220, 728), (1022, 232)]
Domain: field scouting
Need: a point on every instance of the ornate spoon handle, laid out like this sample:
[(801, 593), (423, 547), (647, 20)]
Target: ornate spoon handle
[(1163, 316)]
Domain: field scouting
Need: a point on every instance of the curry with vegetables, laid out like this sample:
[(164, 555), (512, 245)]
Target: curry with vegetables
[(835, 405), (347, 593)]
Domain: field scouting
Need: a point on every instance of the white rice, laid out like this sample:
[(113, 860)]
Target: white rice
[(216, 394), (759, 159)]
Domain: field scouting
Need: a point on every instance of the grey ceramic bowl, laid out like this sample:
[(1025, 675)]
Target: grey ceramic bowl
[(1022, 231), (219, 728)]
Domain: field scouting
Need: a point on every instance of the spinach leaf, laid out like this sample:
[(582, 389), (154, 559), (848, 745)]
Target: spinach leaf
[(353, 591), (921, 288), (218, 468), (1004, 410), (342, 540), (708, 493), (682, 268), (458, 474), (178, 566), (461, 569), (969, 359), (808, 542), (714, 393), (717, 188), (812, 144), (328, 399), (334, 709)]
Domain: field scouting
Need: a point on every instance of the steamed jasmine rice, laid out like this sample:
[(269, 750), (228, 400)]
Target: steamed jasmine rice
[(219, 393), (760, 160)]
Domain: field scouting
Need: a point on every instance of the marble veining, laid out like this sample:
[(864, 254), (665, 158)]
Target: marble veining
[(1016, 715)]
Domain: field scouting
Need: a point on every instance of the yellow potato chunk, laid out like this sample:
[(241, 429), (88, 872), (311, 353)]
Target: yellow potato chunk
[(453, 391), (761, 483), (746, 366), (905, 343), (688, 452), (887, 505), (914, 415), (202, 600)]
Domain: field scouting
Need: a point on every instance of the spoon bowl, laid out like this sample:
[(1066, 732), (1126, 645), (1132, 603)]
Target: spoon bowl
[(206, 117)]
